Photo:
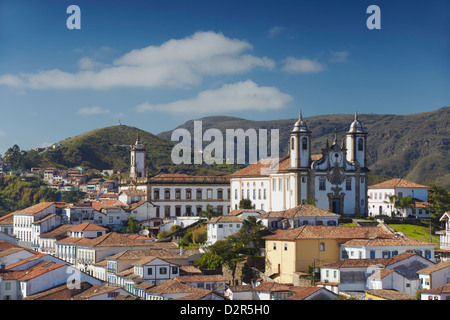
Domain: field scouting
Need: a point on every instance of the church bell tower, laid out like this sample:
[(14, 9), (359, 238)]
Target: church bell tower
[(356, 143), (300, 145), (137, 166)]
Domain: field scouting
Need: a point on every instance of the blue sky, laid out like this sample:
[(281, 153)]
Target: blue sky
[(156, 64)]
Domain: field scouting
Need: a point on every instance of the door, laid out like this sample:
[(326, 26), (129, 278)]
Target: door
[(336, 206)]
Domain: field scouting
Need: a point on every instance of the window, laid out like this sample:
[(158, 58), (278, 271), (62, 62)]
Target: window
[(188, 194), (360, 144), (219, 194), (304, 143), (274, 246), (348, 184), (199, 194), (163, 270), (156, 194), (322, 246), (178, 194), (166, 194), (292, 143), (285, 246), (322, 184), (174, 270), (149, 271), (167, 211), (235, 194)]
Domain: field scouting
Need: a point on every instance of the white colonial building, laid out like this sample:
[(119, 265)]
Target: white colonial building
[(174, 195), (382, 197), (336, 179)]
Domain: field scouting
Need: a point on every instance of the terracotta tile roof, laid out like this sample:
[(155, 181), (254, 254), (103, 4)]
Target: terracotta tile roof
[(304, 210), (76, 240), (380, 274), (96, 290), (241, 211), (390, 294), (396, 183), (57, 233), (183, 178), (87, 226), (61, 292), (112, 239), (173, 286), (436, 267), (40, 269), (266, 166), (363, 263), (199, 294), (37, 256), (35, 208), (272, 287), (7, 219), (439, 290), (5, 245), (190, 269), (304, 292), (202, 278), (395, 241), (225, 219), (329, 232)]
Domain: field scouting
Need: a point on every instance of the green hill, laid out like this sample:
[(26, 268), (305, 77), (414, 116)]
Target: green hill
[(413, 146), (109, 148)]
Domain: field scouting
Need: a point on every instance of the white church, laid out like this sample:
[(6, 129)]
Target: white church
[(335, 179)]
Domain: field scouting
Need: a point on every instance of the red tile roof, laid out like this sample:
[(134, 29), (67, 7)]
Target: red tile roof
[(396, 183), (36, 208), (87, 226), (330, 232)]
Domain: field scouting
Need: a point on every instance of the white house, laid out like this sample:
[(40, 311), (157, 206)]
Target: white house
[(439, 293), (335, 179), (353, 274), (435, 276), (24, 220), (386, 248), (221, 227), (174, 195), (304, 214), (381, 198), (444, 237)]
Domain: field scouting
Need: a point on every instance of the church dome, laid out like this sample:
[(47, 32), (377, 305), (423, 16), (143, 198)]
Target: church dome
[(300, 125), (356, 125)]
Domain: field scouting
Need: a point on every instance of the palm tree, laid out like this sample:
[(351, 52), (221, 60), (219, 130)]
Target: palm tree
[(405, 203), (209, 213), (392, 200)]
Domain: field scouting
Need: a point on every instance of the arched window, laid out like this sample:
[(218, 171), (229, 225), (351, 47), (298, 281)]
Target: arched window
[(304, 143), (360, 144), (292, 143)]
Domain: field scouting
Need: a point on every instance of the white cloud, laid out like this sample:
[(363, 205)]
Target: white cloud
[(339, 56), (92, 110), (303, 65), (275, 31), (87, 63), (174, 63), (239, 96)]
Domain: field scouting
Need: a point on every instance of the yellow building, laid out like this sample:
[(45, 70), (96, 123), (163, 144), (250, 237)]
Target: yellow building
[(291, 251)]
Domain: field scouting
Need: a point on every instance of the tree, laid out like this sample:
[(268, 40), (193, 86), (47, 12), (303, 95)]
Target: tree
[(209, 213), (251, 234), (132, 226), (392, 200), (405, 203), (246, 204)]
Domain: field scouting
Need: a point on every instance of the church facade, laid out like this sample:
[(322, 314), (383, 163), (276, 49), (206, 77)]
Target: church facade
[(335, 179)]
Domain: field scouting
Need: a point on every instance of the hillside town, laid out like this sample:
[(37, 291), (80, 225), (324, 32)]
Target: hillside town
[(311, 230)]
